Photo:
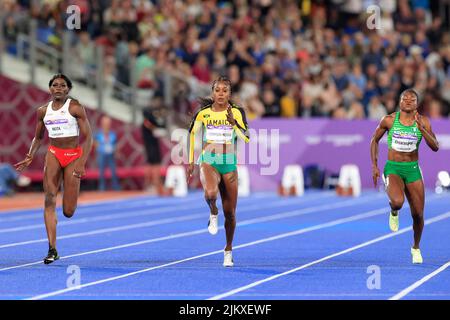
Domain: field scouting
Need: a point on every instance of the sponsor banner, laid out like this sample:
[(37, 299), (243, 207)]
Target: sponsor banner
[(276, 143)]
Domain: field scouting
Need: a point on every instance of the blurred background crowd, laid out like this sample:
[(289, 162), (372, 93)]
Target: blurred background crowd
[(286, 58)]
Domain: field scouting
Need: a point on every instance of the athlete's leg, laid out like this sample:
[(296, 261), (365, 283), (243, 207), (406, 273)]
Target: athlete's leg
[(71, 190), (395, 188), (210, 179), (52, 181), (415, 192), (229, 192)]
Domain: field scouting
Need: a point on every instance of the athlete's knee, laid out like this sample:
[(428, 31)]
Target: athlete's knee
[(397, 203), (211, 194), (68, 211), (50, 199), (229, 215)]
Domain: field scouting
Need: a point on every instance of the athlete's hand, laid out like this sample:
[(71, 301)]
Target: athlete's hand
[(24, 163), (189, 172), (375, 175), (78, 170), (419, 121), (230, 116)]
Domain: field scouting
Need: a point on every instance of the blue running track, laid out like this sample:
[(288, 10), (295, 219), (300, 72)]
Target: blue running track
[(318, 246)]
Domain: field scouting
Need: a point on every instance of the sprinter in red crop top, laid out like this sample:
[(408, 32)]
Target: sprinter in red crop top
[(65, 161)]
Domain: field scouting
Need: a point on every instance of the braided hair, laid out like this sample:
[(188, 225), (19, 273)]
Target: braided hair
[(204, 102)]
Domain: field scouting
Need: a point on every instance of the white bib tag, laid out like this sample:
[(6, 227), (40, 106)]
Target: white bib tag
[(222, 134), (404, 142)]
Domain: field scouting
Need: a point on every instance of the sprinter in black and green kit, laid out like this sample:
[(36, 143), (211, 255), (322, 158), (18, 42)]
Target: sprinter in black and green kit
[(402, 175)]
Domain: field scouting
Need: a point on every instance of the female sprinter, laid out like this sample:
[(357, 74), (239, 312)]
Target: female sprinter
[(64, 118), (402, 173), (222, 121)]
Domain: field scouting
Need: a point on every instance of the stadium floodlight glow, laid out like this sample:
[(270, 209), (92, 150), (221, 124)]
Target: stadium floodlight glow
[(444, 178)]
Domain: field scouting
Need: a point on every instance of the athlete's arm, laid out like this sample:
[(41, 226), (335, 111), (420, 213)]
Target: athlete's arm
[(193, 129), (78, 111), (195, 126), (239, 123), (424, 125), (383, 126), (36, 143)]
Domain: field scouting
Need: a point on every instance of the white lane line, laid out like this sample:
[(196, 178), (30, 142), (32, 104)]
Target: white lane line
[(107, 207), (284, 235), (362, 245), (148, 204), (123, 246), (417, 284), (149, 200), (142, 200), (282, 215), (136, 213), (350, 202), (139, 201), (113, 229), (146, 212)]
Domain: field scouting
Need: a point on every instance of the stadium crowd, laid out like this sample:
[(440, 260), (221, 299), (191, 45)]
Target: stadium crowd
[(306, 58)]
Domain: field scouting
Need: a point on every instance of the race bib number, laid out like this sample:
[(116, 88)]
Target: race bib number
[(404, 142), (222, 134)]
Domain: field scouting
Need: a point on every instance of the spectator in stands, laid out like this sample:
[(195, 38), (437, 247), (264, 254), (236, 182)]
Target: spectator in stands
[(94, 25), (435, 109), (129, 20), (288, 102), (105, 142), (313, 87), (145, 64), (280, 41), (383, 83), (445, 93), (435, 33), (339, 113), (201, 69), (390, 102), (404, 19), (339, 75), (113, 16), (124, 55), (376, 109), (9, 179), (151, 132), (330, 97), (270, 104), (356, 111), (358, 78), (84, 54), (10, 30)]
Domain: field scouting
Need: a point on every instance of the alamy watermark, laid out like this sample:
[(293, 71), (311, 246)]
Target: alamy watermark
[(74, 279), (374, 19), (262, 150), (374, 281), (73, 21)]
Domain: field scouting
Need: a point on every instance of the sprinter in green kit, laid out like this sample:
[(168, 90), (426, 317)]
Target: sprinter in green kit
[(402, 175)]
